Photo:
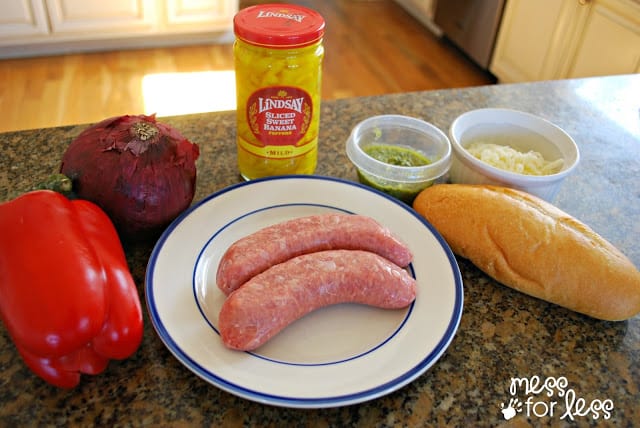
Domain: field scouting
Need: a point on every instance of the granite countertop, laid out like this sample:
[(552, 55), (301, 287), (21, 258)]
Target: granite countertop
[(502, 334)]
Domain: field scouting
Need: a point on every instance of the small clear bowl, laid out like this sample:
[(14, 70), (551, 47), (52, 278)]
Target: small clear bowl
[(406, 137)]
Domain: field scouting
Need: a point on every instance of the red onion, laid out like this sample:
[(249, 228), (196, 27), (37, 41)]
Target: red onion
[(140, 172)]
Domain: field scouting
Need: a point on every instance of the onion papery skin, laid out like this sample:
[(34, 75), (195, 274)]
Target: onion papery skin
[(142, 173)]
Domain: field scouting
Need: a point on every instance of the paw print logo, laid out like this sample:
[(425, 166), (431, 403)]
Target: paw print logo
[(514, 407)]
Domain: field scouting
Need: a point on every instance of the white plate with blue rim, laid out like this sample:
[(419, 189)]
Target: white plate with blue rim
[(335, 356)]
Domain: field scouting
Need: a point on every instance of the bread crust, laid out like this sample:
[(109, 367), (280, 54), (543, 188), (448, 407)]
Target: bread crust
[(534, 247)]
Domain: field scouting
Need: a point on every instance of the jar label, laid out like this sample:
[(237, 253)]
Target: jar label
[(279, 115)]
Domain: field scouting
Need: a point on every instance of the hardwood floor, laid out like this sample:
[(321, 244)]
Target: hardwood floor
[(372, 47)]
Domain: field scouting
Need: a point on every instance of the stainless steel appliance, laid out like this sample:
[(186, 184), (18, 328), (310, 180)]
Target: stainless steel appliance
[(472, 25)]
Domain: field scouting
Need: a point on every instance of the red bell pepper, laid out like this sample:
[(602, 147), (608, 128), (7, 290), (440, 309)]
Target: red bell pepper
[(67, 296)]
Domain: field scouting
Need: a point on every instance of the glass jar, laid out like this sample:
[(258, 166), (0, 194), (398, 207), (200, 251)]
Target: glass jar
[(278, 55)]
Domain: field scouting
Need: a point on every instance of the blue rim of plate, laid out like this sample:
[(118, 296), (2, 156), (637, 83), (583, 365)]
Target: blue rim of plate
[(293, 402)]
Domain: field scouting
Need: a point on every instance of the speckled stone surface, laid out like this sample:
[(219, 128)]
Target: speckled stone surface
[(502, 334)]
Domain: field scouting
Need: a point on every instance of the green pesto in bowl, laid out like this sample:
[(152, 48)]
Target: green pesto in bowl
[(397, 156)]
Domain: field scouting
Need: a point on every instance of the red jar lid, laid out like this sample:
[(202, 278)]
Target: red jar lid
[(278, 25)]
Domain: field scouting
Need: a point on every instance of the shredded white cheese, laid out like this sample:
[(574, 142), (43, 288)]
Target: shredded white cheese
[(510, 159)]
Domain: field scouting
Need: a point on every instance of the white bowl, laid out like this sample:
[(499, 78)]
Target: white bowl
[(523, 132), (405, 134)]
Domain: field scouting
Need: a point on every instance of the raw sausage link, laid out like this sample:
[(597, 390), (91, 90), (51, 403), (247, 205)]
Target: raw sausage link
[(270, 301), (274, 244)]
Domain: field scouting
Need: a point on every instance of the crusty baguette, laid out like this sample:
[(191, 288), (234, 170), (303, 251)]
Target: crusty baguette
[(532, 246)]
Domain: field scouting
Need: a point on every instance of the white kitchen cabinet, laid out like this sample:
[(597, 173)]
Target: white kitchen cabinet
[(37, 27), (555, 39), (610, 41), (96, 17), (195, 15), (19, 18), (530, 40)]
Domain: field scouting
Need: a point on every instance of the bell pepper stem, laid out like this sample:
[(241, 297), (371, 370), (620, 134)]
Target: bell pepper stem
[(58, 183)]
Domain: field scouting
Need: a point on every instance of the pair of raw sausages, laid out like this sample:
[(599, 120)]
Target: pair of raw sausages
[(282, 272)]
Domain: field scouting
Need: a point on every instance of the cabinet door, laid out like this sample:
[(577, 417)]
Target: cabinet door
[(96, 16), (610, 42), (200, 15), (20, 18), (532, 39)]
